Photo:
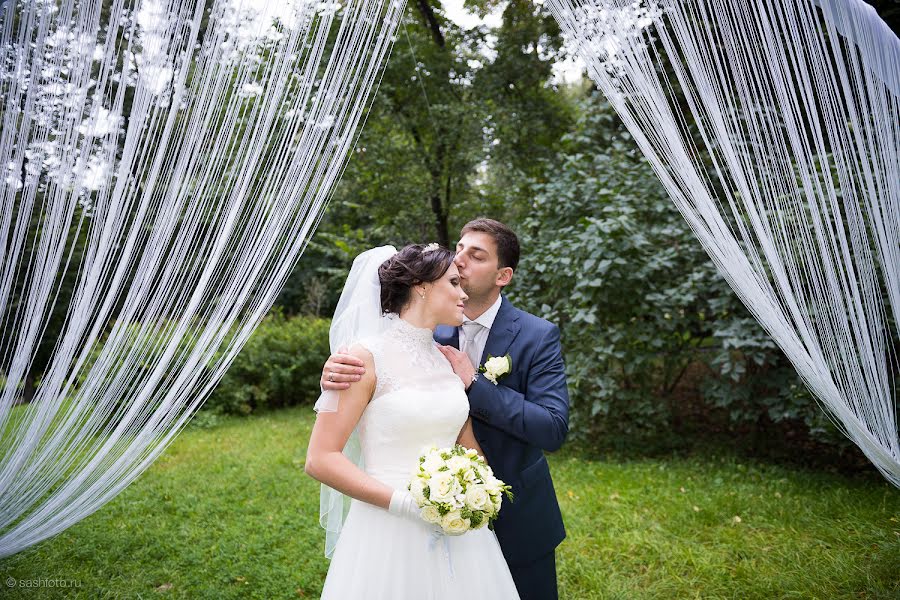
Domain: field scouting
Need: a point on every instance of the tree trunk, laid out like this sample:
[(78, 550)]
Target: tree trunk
[(439, 206), (431, 21)]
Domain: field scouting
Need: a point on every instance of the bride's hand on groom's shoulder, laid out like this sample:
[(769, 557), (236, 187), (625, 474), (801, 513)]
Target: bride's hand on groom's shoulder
[(341, 369), (460, 362)]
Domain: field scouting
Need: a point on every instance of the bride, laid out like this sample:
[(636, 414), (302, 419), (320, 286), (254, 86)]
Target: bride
[(367, 439)]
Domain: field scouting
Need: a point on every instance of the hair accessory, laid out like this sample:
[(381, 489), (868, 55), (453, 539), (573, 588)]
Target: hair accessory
[(430, 247)]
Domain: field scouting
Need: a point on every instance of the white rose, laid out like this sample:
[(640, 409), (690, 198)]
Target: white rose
[(431, 515), (458, 463), (478, 499), (443, 487), (492, 484), (454, 524), (497, 365), (417, 489), (432, 463)]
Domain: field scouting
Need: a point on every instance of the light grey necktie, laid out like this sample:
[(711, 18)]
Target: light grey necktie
[(469, 330)]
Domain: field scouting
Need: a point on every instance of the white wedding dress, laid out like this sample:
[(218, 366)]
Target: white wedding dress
[(418, 401)]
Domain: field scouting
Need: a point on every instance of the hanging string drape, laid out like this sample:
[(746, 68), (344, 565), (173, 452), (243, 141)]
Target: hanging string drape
[(775, 127), (175, 157)]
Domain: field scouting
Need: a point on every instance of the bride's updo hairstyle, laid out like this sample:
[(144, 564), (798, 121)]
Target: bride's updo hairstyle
[(412, 265)]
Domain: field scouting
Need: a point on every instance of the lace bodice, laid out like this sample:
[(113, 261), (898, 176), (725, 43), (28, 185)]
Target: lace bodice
[(418, 401)]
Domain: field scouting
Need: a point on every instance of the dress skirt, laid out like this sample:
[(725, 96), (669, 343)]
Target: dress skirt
[(380, 556)]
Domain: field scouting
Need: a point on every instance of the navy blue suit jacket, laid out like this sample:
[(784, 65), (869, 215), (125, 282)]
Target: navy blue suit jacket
[(514, 421)]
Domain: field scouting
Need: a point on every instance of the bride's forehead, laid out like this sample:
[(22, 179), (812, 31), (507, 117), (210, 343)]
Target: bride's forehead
[(452, 271)]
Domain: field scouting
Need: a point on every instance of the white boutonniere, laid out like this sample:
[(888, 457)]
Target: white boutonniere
[(495, 367)]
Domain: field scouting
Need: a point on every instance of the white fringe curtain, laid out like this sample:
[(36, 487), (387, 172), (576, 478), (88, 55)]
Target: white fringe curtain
[(775, 127), (192, 145)]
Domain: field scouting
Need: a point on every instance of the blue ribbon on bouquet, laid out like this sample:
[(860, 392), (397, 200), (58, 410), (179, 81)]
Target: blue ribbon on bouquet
[(438, 535)]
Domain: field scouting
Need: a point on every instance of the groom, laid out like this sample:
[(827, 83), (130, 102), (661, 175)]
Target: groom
[(515, 419)]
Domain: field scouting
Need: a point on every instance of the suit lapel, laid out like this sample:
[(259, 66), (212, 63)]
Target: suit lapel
[(503, 331)]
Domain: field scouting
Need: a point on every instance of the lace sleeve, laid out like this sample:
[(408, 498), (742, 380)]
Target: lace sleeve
[(384, 382)]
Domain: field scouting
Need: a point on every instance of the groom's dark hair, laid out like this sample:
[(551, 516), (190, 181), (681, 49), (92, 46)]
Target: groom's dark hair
[(412, 265), (504, 237)]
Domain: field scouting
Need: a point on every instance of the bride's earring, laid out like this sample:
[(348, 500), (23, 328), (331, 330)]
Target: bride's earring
[(422, 294)]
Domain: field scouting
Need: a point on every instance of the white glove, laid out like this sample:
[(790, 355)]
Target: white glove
[(404, 505)]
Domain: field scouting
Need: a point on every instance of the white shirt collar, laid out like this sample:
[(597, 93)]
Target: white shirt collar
[(486, 319)]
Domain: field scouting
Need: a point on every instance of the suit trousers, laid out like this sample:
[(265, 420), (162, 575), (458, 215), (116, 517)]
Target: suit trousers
[(537, 580)]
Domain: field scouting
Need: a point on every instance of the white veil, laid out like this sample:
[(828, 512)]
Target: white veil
[(358, 315)]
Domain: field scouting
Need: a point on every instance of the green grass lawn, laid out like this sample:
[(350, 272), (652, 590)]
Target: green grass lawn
[(227, 512)]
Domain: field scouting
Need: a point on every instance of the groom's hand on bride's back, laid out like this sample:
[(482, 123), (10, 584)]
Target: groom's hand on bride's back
[(341, 369)]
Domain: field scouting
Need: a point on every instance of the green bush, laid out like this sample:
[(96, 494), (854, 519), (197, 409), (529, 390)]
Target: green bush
[(279, 366), (150, 341), (640, 304), (752, 382)]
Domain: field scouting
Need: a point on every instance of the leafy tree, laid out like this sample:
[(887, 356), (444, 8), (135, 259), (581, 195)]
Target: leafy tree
[(527, 113), (640, 304), (462, 121)]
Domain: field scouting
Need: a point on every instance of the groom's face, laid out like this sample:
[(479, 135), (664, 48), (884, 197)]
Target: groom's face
[(478, 264)]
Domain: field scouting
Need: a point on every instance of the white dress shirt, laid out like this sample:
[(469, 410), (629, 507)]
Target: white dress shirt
[(486, 321)]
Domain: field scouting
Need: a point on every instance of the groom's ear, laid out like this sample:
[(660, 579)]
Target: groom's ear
[(504, 276)]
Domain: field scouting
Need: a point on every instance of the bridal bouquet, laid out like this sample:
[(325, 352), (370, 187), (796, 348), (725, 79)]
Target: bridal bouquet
[(457, 490)]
